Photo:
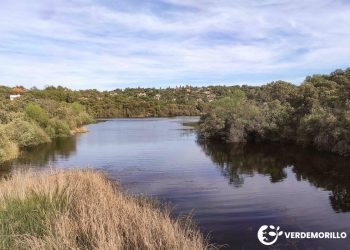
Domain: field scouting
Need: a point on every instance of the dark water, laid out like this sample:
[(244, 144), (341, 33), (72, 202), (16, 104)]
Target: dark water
[(231, 190)]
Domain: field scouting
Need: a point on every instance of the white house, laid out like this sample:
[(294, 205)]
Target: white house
[(12, 97)]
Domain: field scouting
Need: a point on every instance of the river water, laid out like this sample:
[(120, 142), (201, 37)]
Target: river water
[(230, 190)]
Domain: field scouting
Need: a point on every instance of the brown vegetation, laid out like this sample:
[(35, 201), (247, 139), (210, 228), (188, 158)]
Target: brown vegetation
[(79, 130), (78, 209)]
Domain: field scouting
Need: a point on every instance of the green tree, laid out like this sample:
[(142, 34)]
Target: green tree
[(38, 114)]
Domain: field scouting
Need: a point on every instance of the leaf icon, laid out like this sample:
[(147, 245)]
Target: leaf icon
[(272, 233), (280, 233), (278, 228), (272, 227)]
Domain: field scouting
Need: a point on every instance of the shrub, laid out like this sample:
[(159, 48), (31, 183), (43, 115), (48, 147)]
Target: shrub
[(57, 128), (36, 113), (84, 118), (8, 150), (25, 133), (77, 108), (8, 116), (234, 121)]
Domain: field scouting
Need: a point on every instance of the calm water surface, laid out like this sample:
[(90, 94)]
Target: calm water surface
[(231, 190)]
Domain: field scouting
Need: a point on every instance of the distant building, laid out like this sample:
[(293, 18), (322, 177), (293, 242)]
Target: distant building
[(12, 97)]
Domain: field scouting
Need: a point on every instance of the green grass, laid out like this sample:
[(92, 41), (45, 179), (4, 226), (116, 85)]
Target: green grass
[(28, 216)]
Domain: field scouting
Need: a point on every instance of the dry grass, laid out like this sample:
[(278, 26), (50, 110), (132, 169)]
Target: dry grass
[(76, 209), (79, 130)]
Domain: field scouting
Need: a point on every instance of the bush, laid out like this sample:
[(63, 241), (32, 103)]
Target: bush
[(8, 150), (36, 113), (8, 116), (84, 118), (57, 128), (77, 108), (234, 121), (25, 133)]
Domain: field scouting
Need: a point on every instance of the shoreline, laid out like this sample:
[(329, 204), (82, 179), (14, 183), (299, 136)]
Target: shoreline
[(11, 151)]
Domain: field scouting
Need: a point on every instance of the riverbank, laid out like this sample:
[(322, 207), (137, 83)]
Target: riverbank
[(27, 123), (11, 149), (81, 209)]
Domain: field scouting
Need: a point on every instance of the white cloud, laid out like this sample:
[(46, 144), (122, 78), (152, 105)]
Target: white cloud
[(87, 44)]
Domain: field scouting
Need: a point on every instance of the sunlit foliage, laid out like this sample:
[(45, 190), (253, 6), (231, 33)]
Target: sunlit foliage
[(315, 113)]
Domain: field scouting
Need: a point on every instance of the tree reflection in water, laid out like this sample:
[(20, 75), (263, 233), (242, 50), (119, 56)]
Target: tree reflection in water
[(323, 170), (41, 156)]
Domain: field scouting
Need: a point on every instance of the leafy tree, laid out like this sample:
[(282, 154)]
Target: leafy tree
[(35, 112)]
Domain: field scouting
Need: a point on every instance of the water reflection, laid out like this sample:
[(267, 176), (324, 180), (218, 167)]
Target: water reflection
[(42, 155), (263, 184), (323, 170)]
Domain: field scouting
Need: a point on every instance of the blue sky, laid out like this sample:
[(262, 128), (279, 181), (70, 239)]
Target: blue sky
[(107, 44)]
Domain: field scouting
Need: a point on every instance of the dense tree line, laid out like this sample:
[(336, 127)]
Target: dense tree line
[(316, 113), (134, 102)]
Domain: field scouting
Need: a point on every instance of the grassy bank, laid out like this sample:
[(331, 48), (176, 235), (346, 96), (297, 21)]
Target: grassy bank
[(78, 209)]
